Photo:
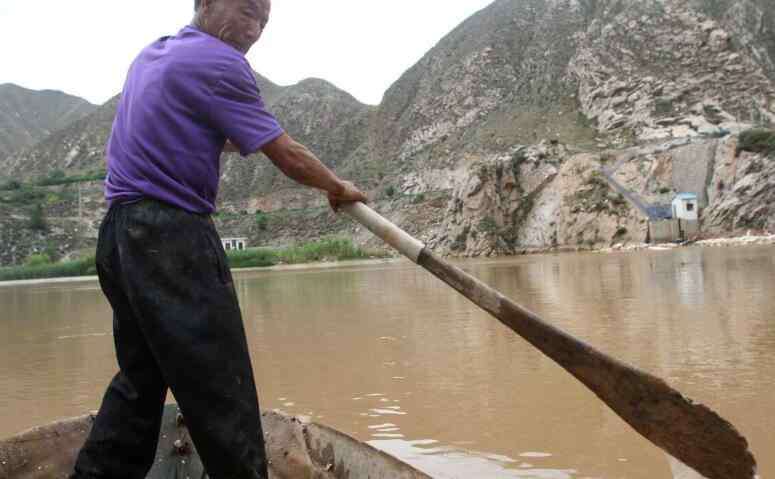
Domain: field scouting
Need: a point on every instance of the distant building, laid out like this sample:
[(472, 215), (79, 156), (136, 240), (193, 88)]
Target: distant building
[(684, 224), (234, 244), (686, 206)]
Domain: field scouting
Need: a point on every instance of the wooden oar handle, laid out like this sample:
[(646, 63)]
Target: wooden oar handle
[(385, 230)]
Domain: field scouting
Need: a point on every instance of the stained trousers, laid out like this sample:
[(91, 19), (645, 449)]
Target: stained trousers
[(177, 325)]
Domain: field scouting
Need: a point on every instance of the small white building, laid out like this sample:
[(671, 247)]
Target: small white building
[(686, 206), (234, 244)]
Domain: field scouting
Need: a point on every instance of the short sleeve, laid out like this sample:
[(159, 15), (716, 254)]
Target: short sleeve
[(239, 111)]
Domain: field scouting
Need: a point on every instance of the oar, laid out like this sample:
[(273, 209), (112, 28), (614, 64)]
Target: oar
[(690, 432)]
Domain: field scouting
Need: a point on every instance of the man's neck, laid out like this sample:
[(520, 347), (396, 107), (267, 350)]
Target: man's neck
[(197, 23)]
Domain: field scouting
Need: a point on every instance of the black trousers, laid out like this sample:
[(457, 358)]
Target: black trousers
[(177, 325)]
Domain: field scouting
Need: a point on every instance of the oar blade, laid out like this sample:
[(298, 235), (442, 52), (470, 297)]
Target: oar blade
[(690, 432)]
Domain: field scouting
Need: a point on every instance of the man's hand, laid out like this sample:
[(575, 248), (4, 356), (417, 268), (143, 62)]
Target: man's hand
[(349, 193), (299, 164)]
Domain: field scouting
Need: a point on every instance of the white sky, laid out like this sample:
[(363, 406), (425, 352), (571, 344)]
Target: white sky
[(84, 47)]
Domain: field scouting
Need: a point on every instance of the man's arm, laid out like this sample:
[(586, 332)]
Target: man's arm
[(302, 166)]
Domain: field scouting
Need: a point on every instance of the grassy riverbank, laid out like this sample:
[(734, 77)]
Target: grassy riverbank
[(332, 249)]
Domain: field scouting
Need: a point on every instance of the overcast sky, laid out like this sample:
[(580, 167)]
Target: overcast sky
[(84, 47)]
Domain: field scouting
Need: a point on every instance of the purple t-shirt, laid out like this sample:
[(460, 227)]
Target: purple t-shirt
[(184, 97)]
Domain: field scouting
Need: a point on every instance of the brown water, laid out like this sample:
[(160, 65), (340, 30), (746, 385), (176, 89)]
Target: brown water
[(391, 356)]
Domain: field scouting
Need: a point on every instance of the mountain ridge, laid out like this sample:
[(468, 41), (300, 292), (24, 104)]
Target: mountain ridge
[(28, 116)]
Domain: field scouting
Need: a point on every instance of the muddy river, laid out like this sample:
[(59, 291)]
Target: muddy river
[(390, 355)]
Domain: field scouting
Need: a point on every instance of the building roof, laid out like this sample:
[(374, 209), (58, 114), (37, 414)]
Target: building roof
[(686, 196)]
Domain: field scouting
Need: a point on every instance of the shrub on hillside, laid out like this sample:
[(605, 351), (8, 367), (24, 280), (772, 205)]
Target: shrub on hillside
[(262, 220), (58, 177), (39, 259), (23, 196), (10, 185), (37, 219), (757, 141)]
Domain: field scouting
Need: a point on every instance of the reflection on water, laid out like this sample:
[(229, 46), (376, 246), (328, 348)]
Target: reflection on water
[(448, 461), (390, 355)]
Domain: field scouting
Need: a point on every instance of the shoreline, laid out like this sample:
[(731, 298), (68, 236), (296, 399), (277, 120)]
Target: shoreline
[(738, 241), (268, 269)]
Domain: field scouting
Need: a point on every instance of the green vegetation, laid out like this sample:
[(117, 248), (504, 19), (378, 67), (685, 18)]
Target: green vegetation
[(584, 121), (39, 266), (37, 221), (327, 249), (488, 225), (262, 220), (757, 141), (713, 114), (390, 191), (58, 177), (19, 193), (23, 195), (663, 106), (252, 258), (10, 185), (595, 196), (37, 260)]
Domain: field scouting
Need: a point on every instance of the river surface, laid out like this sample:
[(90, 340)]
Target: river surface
[(388, 354)]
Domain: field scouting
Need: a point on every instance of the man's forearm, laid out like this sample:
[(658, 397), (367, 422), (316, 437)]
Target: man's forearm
[(301, 165)]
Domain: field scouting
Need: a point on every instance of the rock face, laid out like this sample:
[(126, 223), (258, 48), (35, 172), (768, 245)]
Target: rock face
[(27, 116), (513, 132), (663, 69), (741, 191)]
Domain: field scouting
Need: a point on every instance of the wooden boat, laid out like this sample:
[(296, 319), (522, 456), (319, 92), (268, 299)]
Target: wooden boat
[(297, 449)]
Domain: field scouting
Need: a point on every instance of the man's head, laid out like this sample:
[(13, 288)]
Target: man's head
[(236, 22)]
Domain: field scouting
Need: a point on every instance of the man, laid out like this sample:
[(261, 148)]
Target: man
[(177, 323)]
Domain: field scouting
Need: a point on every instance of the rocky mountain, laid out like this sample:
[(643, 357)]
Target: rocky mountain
[(515, 114), (27, 116), (510, 133), (74, 149)]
